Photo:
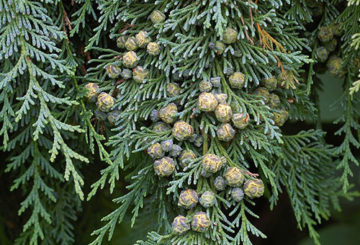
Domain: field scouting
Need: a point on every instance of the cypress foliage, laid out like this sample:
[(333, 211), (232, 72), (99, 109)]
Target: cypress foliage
[(188, 101)]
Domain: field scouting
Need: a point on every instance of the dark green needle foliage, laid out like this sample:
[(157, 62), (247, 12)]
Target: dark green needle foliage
[(171, 97)]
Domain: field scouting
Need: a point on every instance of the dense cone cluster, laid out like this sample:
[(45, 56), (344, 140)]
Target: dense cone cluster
[(326, 52), (183, 145)]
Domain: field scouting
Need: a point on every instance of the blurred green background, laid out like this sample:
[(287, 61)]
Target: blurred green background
[(279, 224)]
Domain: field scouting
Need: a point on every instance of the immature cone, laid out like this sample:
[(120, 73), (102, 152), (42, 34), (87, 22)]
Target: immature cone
[(237, 194), (182, 130), (113, 71), (167, 145), (131, 44), (234, 177), (188, 199), (221, 98), (336, 29), (219, 183), (140, 74), (270, 83), (92, 89), (172, 89), (254, 188), (120, 42), (212, 163), (153, 48), (230, 35), (185, 158), (180, 225), (154, 115), (223, 113), (219, 47), (264, 93), (130, 59), (175, 150), (164, 167), (205, 86), (105, 102), (237, 80), (274, 101), (240, 120), (216, 81), (334, 66), (168, 113), (322, 54), (160, 127), (155, 151), (157, 17), (126, 74), (225, 132), (142, 39), (200, 222), (325, 34), (207, 102), (113, 116), (331, 45), (281, 117), (207, 199)]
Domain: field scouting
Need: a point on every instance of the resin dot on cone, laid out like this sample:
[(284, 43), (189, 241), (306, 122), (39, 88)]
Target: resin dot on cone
[(254, 188), (237, 194), (207, 199), (237, 80), (223, 113), (155, 151), (240, 120), (185, 158), (164, 167), (234, 177), (188, 198), (92, 89), (212, 163), (168, 113), (182, 130), (207, 102), (200, 222), (225, 132), (180, 225), (105, 102)]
